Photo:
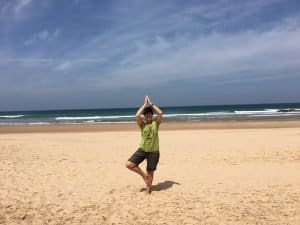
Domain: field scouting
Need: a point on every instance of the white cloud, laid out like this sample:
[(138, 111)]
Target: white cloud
[(267, 54), (221, 10), (76, 63), (13, 6), (56, 33), (64, 66), (14, 12), (160, 45), (128, 36), (5, 7), (21, 4), (42, 35)]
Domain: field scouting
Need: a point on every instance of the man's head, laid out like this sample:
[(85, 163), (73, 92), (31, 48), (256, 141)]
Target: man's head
[(148, 114)]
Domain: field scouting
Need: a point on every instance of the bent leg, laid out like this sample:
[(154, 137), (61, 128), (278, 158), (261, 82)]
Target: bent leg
[(134, 161), (133, 167)]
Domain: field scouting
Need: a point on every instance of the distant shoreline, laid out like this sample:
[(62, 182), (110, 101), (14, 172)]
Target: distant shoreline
[(250, 124)]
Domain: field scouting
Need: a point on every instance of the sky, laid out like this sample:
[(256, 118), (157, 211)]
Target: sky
[(69, 54)]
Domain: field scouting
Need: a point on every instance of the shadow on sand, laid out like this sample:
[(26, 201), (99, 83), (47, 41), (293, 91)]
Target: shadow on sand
[(162, 186)]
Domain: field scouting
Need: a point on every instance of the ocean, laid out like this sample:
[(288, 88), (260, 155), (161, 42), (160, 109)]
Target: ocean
[(178, 113)]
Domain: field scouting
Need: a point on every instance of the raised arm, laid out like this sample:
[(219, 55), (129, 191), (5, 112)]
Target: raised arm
[(157, 110), (139, 113)]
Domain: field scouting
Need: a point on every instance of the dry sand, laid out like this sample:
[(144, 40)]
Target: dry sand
[(205, 176)]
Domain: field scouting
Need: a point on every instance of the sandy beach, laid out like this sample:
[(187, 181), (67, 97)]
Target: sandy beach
[(210, 173)]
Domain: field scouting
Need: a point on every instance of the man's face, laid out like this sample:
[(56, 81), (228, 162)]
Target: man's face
[(148, 116)]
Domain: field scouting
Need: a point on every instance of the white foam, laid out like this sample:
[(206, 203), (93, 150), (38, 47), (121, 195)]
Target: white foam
[(39, 123), (90, 121), (266, 111), (102, 122), (91, 117), (272, 115), (271, 110), (117, 122), (11, 116), (12, 124), (199, 114)]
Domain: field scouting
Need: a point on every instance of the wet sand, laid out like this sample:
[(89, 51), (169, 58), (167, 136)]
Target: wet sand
[(5, 129)]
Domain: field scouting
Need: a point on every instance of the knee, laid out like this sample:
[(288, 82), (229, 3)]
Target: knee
[(129, 165), (150, 173)]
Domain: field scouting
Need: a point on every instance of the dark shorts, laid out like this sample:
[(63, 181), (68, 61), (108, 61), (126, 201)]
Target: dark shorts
[(140, 155)]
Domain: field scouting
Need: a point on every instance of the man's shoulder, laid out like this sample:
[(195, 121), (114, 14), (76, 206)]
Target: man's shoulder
[(156, 123)]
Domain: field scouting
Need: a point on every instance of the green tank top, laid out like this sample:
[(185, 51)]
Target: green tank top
[(150, 142)]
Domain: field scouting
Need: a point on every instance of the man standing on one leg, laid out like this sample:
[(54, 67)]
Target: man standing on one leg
[(149, 145)]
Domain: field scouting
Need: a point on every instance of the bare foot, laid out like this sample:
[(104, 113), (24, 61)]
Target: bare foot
[(148, 190)]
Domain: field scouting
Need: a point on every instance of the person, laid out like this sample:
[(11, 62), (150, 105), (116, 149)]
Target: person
[(149, 145)]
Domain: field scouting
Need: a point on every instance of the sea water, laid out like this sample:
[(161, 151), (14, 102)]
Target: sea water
[(175, 113)]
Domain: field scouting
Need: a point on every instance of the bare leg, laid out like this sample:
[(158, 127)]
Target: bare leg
[(150, 175), (137, 170)]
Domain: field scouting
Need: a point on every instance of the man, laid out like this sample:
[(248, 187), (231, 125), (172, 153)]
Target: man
[(149, 145)]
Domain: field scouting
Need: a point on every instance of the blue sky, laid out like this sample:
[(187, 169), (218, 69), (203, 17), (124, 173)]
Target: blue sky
[(57, 54)]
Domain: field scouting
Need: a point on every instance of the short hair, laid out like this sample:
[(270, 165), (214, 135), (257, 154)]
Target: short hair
[(148, 109)]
